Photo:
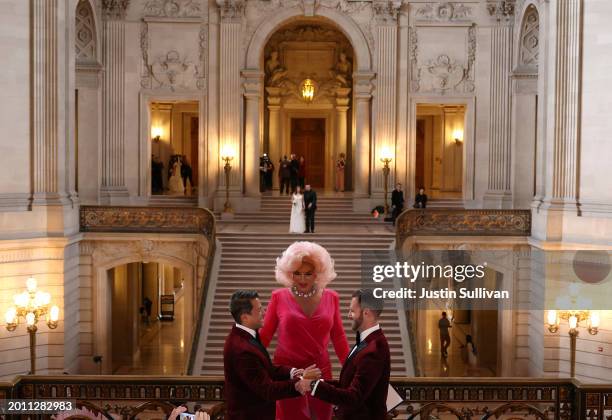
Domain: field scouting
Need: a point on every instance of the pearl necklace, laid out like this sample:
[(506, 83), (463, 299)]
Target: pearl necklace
[(305, 295)]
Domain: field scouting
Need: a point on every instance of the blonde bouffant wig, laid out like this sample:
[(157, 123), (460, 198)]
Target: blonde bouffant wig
[(309, 252)]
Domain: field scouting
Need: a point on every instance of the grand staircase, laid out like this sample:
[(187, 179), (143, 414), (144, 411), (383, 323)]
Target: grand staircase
[(247, 262), (330, 210)]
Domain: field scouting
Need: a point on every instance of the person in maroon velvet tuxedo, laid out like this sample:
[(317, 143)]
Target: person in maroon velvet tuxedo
[(252, 382), (361, 392)]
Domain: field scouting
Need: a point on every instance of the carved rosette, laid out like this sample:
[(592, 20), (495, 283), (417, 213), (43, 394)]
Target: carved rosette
[(114, 9), (444, 12), (173, 8)]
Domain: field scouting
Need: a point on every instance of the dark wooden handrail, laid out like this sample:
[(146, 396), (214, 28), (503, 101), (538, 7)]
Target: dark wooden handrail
[(486, 397)]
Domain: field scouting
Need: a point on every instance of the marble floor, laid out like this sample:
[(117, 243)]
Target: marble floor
[(162, 347), (432, 364)]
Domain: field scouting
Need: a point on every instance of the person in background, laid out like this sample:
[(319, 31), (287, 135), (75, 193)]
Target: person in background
[(294, 174), (302, 172), (269, 172), (470, 355), (284, 174), (397, 202), (310, 207), (340, 166), (420, 200), (445, 340)]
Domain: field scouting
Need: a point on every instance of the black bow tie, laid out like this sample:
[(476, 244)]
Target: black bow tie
[(357, 338)]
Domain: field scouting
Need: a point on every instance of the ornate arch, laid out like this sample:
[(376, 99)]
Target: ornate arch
[(86, 37), (345, 24), (529, 38)]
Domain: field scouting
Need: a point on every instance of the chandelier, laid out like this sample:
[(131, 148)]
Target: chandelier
[(307, 89)]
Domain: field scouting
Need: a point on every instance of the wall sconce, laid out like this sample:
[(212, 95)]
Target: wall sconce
[(156, 133), (307, 89), (573, 318), (458, 136), (386, 156), (227, 154)]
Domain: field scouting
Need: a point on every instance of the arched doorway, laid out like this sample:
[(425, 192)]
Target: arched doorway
[(147, 325), (308, 83)]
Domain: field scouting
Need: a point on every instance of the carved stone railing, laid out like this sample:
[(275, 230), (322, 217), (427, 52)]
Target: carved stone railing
[(147, 220), (462, 222), (127, 397), (171, 220)]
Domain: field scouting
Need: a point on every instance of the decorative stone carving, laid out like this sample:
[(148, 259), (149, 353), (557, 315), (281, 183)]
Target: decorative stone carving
[(501, 9), (173, 72), (85, 33), (145, 76), (386, 11), (530, 39), (231, 9), (444, 12), (201, 68), (114, 9), (443, 74), (276, 74), (342, 73), (172, 8)]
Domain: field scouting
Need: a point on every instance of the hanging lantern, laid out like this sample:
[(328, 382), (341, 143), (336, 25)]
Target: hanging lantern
[(307, 89)]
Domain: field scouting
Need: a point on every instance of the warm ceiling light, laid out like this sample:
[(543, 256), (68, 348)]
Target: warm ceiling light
[(308, 90)]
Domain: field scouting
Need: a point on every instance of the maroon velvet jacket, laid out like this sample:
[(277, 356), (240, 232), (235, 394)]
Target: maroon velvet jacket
[(361, 392), (252, 382)]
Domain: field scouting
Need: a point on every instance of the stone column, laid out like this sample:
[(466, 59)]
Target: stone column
[(385, 95), (362, 88), (113, 188), (252, 93), (230, 91), (342, 101), (274, 131), (499, 194)]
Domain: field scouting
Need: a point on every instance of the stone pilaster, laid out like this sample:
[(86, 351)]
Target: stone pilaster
[(385, 95), (567, 92), (499, 193), (362, 88), (342, 101), (230, 89), (113, 188), (274, 130), (48, 126), (252, 93)]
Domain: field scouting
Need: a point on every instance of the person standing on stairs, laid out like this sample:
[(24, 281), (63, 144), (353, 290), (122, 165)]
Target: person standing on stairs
[(306, 316), (310, 206), (297, 222)]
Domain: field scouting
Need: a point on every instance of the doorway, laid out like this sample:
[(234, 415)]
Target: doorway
[(308, 140), (439, 150)]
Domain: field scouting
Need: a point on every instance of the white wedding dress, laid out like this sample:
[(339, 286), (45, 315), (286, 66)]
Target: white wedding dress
[(175, 184), (297, 223)]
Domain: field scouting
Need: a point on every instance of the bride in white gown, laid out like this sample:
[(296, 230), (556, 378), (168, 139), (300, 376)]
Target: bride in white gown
[(175, 184), (297, 223)]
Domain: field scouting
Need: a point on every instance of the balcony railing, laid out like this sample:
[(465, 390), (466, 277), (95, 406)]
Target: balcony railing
[(128, 397), (462, 222)]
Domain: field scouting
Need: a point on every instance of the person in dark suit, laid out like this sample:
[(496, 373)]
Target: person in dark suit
[(295, 172), (361, 392), (420, 200), (310, 204), (252, 382), (397, 202), (284, 173)]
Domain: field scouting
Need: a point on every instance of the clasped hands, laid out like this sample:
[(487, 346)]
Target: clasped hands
[(311, 373)]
